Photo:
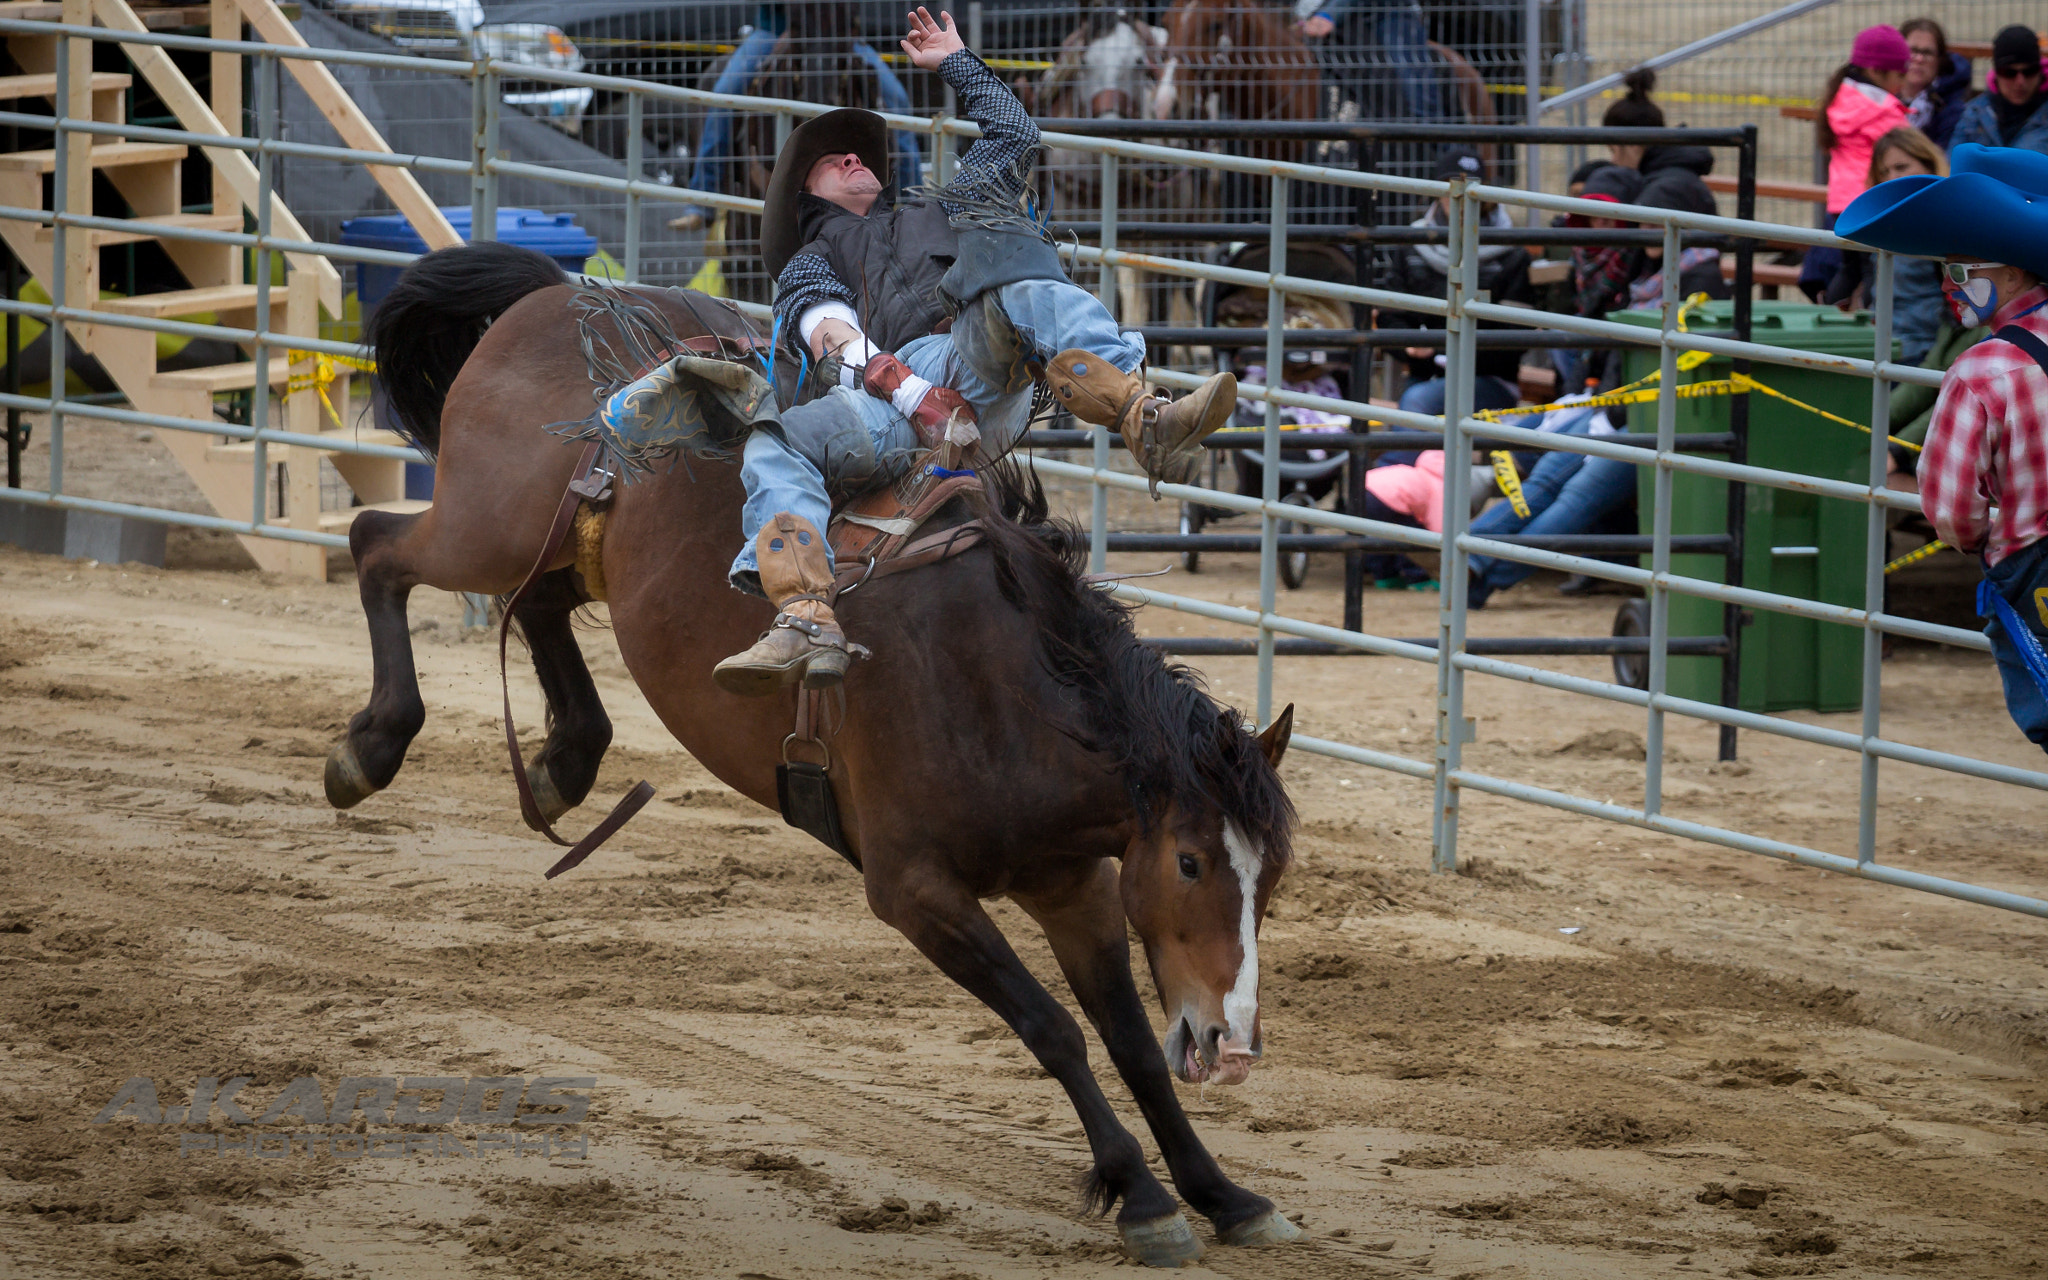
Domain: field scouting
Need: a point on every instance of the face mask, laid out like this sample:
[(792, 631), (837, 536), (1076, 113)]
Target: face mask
[(1974, 302)]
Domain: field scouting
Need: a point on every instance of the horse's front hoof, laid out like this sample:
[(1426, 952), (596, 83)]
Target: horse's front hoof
[(1162, 1242), (1268, 1228), (347, 785), (550, 801)]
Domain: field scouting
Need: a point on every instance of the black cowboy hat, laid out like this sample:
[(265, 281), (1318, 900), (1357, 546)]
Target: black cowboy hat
[(847, 129)]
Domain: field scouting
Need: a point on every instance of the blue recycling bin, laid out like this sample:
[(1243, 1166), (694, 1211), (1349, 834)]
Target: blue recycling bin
[(554, 234)]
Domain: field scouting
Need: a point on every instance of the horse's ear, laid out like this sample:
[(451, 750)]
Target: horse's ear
[(1274, 740)]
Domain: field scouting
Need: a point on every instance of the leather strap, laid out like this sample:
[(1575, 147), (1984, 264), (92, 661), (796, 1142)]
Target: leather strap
[(930, 549), (573, 496), (2026, 342)]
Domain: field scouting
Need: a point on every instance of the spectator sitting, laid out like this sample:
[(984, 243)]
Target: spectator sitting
[(2011, 115), (1305, 375), (714, 145), (1861, 105), (1411, 494), (1601, 274), (1424, 269), (1565, 493), (1937, 81), (1918, 307)]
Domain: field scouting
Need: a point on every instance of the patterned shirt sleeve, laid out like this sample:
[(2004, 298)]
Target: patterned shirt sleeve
[(806, 281), (997, 167), (1955, 464)]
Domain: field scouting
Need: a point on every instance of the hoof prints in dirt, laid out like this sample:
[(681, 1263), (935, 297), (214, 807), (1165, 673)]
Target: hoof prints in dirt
[(894, 1214)]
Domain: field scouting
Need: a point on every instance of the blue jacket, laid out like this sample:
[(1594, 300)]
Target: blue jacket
[(1979, 124)]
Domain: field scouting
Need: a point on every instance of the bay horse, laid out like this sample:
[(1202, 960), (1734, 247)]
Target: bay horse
[(1248, 58), (1010, 737)]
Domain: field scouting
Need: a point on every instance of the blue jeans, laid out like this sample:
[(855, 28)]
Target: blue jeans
[(1404, 39), (1428, 397), (716, 142), (2022, 578), (848, 441), (1566, 493)]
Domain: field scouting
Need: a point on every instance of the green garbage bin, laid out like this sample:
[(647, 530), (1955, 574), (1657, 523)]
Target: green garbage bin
[(1795, 544)]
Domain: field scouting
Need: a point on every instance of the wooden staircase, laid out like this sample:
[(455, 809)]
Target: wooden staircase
[(147, 177)]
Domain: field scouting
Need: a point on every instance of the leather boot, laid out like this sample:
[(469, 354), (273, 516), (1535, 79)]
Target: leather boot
[(805, 643), (1164, 436)]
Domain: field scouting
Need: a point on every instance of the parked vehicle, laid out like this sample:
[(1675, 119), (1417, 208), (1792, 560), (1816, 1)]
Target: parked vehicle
[(459, 29)]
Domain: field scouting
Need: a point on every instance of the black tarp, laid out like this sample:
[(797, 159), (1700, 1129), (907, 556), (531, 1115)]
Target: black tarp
[(431, 115)]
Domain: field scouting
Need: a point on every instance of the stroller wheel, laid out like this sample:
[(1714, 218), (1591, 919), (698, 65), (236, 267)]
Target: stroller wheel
[(1294, 564), (1191, 522), (1632, 669)]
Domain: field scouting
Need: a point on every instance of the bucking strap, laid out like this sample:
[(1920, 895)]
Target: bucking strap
[(573, 496)]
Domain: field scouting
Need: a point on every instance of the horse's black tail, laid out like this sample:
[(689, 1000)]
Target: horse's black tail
[(425, 328)]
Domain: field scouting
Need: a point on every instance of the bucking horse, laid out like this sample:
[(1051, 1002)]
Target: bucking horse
[(1010, 737)]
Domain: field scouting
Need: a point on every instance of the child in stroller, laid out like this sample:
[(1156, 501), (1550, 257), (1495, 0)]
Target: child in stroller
[(1307, 474)]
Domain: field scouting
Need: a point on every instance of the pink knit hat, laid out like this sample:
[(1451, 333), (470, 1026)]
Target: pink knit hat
[(1880, 49)]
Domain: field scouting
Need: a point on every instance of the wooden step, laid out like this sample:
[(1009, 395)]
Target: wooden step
[(196, 221), (222, 377), (107, 155), (339, 521), (243, 450), (189, 302), (13, 88)]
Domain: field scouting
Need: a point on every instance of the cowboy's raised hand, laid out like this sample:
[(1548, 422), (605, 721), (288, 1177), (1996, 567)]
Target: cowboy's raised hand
[(931, 42)]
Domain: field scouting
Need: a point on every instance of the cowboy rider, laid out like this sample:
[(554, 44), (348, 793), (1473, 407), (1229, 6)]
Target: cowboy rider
[(869, 287)]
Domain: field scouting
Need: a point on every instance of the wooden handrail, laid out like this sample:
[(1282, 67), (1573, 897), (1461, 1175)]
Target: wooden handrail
[(194, 114), (354, 127)]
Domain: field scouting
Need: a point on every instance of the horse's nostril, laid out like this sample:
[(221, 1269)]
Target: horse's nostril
[(1212, 1042)]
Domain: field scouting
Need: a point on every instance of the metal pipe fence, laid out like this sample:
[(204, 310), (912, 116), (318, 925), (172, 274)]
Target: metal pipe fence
[(1450, 653)]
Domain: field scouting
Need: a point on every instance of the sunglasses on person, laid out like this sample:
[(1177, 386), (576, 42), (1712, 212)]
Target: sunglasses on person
[(1959, 272), (2020, 72)]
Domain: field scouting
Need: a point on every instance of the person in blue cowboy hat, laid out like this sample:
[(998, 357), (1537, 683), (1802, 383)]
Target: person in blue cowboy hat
[(1984, 471)]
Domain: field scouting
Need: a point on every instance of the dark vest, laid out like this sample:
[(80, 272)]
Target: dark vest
[(893, 260)]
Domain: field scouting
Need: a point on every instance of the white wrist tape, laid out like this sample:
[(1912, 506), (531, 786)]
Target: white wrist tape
[(910, 394), (853, 360), (807, 323)]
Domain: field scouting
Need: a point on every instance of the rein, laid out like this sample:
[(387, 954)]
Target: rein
[(586, 483)]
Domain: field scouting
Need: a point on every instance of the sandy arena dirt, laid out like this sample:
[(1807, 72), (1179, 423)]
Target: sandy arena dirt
[(1733, 1067)]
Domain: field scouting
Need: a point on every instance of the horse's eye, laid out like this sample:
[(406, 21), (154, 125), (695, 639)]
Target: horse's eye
[(1189, 868)]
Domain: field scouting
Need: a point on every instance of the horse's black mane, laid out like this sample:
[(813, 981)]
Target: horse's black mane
[(1173, 744)]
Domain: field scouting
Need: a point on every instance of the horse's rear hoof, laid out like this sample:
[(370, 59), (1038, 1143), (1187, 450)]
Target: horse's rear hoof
[(550, 801), (1162, 1242), (347, 786), (1268, 1228)]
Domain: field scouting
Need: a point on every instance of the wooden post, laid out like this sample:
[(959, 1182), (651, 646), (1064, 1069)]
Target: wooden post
[(227, 107), (81, 270), (303, 416)]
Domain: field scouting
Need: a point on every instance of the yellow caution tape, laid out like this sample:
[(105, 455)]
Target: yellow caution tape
[(1510, 481), (1915, 557), (1671, 95), (1734, 384), (322, 376)]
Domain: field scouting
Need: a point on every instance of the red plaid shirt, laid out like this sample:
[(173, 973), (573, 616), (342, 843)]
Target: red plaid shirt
[(1984, 472)]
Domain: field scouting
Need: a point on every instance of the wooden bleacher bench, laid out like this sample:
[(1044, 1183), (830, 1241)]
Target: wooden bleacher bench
[(1812, 192), (1772, 274)]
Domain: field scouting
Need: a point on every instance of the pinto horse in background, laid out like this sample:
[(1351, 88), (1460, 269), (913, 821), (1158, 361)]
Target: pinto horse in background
[(1108, 69), (1011, 736)]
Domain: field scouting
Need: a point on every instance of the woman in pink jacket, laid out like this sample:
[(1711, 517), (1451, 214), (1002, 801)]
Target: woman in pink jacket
[(1860, 105)]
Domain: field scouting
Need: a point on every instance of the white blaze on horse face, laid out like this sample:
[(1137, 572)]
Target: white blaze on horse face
[(1164, 97), (1241, 1006)]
